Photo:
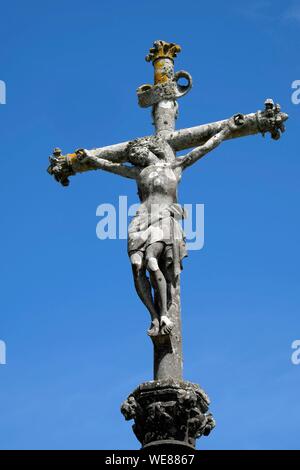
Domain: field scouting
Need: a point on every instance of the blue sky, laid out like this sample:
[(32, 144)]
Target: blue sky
[(73, 326)]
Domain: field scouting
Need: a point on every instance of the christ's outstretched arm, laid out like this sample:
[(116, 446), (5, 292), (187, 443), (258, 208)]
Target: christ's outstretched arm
[(199, 152), (120, 169), (64, 166)]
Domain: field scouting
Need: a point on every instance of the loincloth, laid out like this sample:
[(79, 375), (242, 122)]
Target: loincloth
[(160, 226)]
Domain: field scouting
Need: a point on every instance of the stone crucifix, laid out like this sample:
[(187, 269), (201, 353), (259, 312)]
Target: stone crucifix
[(156, 242)]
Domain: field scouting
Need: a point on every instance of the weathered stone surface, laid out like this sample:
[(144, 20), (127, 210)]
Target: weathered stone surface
[(168, 410)]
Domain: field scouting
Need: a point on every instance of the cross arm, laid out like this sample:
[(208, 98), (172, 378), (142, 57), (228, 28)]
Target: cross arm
[(270, 120)]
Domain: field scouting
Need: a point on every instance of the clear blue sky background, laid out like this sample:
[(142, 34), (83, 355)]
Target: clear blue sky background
[(74, 328)]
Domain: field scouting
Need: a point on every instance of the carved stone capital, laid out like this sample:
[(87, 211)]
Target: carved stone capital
[(168, 410), (163, 50)]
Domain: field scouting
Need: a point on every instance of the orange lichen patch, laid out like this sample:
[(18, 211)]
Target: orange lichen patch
[(160, 71), (71, 156)]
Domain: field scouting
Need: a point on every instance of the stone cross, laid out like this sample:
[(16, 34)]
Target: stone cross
[(167, 409)]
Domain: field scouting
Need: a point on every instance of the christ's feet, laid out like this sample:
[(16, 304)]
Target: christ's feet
[(154, 329), (166, 325)]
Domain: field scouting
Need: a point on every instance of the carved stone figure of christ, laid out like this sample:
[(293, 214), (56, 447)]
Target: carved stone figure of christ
[(155, 238)]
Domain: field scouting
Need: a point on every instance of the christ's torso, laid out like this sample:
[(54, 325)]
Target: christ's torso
[(157, 184)]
